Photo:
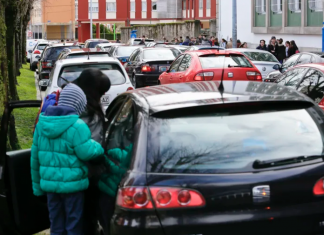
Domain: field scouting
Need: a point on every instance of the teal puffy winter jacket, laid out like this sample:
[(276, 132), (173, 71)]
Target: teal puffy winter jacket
[(61, 146)]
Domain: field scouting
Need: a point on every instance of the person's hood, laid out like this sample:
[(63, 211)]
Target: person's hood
[(187, 40), (54, 126)]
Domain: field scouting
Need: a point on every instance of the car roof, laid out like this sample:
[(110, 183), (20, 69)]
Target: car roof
[(155, 48), (182, 95), (319, 66), (85, 60), (110, 44), (247, 50), (208, 52), (97, 40), (62, 45)]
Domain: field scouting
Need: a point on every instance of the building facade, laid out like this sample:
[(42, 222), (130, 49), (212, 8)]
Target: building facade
[(299, 20), (142, 12)]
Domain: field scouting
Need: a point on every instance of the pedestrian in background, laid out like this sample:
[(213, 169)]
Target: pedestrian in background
[(224, 43), (176, 42), (238, 45), (287, 48), (244, 45), (229, 45), (142, 42), (262, 46), (61, 147), (216, 43), (205, 41), (181, 40), (200, 39), (273, 47), (281, 53), (293, 49), (186, 42)]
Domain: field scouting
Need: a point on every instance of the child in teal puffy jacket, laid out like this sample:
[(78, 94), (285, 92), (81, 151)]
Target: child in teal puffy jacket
[(62, 144)]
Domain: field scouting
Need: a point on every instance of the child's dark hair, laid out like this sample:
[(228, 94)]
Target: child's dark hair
[(94, 84)]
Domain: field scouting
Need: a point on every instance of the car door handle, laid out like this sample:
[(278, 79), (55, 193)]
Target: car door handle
[(230, 75)]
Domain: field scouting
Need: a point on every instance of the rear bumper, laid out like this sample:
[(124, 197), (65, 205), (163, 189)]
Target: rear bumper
[(148, 79), (303, 219)]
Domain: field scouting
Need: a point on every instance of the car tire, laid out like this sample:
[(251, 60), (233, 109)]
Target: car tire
[(30, 67), (42, 88)]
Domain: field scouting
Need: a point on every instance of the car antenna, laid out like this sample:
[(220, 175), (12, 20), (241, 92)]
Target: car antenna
[(221, 85), (88, 54)]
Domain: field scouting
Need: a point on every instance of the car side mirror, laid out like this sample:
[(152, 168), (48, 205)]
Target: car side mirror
[(276, 67), (30, 51), (37, 57)]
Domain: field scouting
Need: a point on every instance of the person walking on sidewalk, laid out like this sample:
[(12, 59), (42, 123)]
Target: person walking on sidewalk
[(281, 54), (262, 46), (61, 147), (273, 47), (293, 49), (287, 48), (229, 44)]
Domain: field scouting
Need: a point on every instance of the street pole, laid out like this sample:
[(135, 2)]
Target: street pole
[(234, 26), (323, 38), (114, 31), (91, 19)]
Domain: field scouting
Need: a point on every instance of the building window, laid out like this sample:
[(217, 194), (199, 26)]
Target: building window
[(184, 3), (260, 6), (276, 6), (208, 4), (294, 5), (201, 4), (154, 6), (132, 6), (76, 10), (95, 7), (144, 6), (111, 7), (315, 5)]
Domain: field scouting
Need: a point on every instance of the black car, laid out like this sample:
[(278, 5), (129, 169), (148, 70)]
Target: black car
[(237, 158), (82, 53), (297, 59), (92, 43), (146, 64), (121, 52), (204, 47), (50, 56)]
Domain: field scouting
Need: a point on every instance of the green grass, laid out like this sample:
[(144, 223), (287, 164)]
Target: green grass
[(25, 117)]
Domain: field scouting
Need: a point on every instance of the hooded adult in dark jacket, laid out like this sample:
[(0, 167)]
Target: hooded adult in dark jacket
[(186, 41)]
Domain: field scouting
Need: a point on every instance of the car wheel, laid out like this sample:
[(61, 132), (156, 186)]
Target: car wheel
[(30, 67), (33, 68), (43, 88)]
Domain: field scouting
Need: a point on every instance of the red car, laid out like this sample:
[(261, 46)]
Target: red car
[(210, 65)]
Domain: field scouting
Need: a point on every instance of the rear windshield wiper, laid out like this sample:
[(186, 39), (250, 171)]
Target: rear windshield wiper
[(237, 66), (257, 164)]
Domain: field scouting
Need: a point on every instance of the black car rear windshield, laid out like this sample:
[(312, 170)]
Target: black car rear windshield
[(54, 52), (160, 54), (220, 61), (230, 142), (71, 73)]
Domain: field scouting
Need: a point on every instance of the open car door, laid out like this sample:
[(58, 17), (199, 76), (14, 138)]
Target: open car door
[(21, 212)]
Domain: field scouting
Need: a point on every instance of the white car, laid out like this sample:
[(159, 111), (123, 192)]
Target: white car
[(30, 44), (107, 46), (36, 54), (71, 69)]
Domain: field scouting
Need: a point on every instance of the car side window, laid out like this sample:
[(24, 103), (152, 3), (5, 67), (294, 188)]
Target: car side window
[(133, 55), (313, 85), (138, 56), (185, 63), (175, 64), (121, 129), (292, 77), (290, 62), (305, 59)]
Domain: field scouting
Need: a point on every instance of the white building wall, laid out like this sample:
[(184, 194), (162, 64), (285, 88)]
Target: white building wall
[(244, 28)]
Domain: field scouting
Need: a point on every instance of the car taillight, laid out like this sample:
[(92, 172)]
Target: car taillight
[(254, 76), (176, 198), (46, 65), (130, 88), (206, 76), (146, 68), (318, 189), (134, 198), (37, 52)]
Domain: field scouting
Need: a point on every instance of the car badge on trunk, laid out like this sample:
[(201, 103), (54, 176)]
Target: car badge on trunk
[(264, 68), (261, 194)]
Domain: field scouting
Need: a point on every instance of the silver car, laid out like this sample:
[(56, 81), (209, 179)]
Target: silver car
[(263, 60)]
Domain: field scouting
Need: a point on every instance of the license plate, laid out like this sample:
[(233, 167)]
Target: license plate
[(105, 100), (163, 68)]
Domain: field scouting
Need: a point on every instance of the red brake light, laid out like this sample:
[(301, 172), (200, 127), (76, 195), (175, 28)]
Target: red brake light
[(254, 76), (146, 68), (46, 65), (163, 197), (130, 88), (318, 189), (134, 198), (206, 76), (37, 52), (184, 197)]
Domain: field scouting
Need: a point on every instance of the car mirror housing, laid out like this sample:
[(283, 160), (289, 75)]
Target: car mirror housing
[(30, 51), (276, 67), (43, 83)]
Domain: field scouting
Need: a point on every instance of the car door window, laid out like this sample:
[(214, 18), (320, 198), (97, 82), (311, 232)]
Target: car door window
[(313, 85), (175, 64), (290, 62), (292, 77), (185, 63), (121, 129), (133, 55), (305, 59), (138, 56)]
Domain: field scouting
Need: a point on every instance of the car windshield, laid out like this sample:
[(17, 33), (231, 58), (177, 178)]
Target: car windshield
[(125, 51), (41, 46), (160, 54), (261, 56), (81, 55), (71, 73), (220, 61), (229, 142), (54, 52)]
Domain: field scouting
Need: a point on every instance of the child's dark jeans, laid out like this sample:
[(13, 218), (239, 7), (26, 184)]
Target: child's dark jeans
[(66, 213)]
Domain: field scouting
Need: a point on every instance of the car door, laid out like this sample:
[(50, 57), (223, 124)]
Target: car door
[(183, 69), (292, 77), (21, 212), (312, 85), (167, 77), (305, 59)]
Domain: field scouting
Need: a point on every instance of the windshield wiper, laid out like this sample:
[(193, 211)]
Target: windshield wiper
[(237, 66), (257, 164)]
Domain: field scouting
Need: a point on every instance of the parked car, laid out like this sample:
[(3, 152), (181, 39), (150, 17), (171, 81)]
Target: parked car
[(297, 59), (71, 69), (201, 161), (206, 65), (30, 44), (81, 45), (49, 57), (122, 53), (181, 48), (81, 53), (263, 60), (307, 79), (36, 54), (136, 41), (107, 46), (146, 64), (92, 43), (204, 47)]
